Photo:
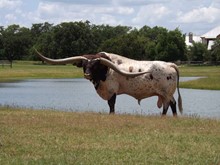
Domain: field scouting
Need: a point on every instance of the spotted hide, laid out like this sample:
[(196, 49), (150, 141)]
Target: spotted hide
[(161, 79)]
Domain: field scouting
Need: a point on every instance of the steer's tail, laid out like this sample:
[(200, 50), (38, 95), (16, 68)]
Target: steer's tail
[(178, 90)]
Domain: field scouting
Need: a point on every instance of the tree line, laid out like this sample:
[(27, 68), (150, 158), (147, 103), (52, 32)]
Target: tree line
[(77, 38)]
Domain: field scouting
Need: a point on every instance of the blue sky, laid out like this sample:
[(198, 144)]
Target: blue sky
[(197, 16)]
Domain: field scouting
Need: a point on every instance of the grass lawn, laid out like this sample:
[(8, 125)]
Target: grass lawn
[(30, 70), (210, 74), (50, 137)]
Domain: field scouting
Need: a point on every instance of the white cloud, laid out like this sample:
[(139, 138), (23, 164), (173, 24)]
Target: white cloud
[(123, 10), (10, 4), (60, 12), (203, 15), (136, 13), (50, 9), (151, 14), (137, 2), (10, 17), (81, 2), (215, 3), (8, 11), (108, 19), (62, 8)]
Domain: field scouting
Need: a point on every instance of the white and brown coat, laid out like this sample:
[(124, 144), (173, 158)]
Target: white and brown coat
[(113, 75)]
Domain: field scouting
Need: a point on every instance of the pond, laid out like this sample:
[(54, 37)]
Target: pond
[(80, 95)]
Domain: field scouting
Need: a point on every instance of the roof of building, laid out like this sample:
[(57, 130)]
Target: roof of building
[(212, 33)]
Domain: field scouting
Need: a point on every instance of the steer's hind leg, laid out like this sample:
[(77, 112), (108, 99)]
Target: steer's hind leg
[(111, 103), (173, 106)]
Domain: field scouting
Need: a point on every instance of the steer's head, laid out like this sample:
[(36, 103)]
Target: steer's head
[(95, 67)]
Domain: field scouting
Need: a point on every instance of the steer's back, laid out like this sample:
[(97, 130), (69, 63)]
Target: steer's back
[(161, 79)]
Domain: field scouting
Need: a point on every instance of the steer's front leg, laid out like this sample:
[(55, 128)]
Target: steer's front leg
[(111, 103)]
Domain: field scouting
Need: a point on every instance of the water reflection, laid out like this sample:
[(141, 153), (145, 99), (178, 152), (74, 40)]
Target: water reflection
[(80, 95)]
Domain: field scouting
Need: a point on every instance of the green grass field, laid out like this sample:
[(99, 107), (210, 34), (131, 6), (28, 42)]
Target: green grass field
[(30, 70), (50, 137), (210, 74)]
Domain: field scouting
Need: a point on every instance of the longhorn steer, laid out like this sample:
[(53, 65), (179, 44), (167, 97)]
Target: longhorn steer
[(113, 75)]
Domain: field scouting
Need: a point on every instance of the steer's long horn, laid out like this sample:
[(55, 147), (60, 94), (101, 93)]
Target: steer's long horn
[(118, 70), (70, 60)]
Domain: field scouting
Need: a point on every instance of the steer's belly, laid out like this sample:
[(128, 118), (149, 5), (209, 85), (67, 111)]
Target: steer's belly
[(139, 93), (138, 88), (146, 86)]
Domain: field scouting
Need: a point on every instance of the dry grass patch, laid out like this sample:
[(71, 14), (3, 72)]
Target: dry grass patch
[(41, 137)]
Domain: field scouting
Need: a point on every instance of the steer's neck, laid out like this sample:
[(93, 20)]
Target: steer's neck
[(96, 83)]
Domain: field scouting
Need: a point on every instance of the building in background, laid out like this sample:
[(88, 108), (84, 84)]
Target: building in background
[(190, 39), (208, 38)]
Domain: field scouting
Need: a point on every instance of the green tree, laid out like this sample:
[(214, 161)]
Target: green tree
[(1, 43), (215, 51), (129, 45), (197, 52), (40, 28), (176, 47), (45, 45), (152, 33), (150, 50), (67, 39), (149, 44), (163, 44), (16, 42), (76, 38), (106, 33), (170, 46)]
